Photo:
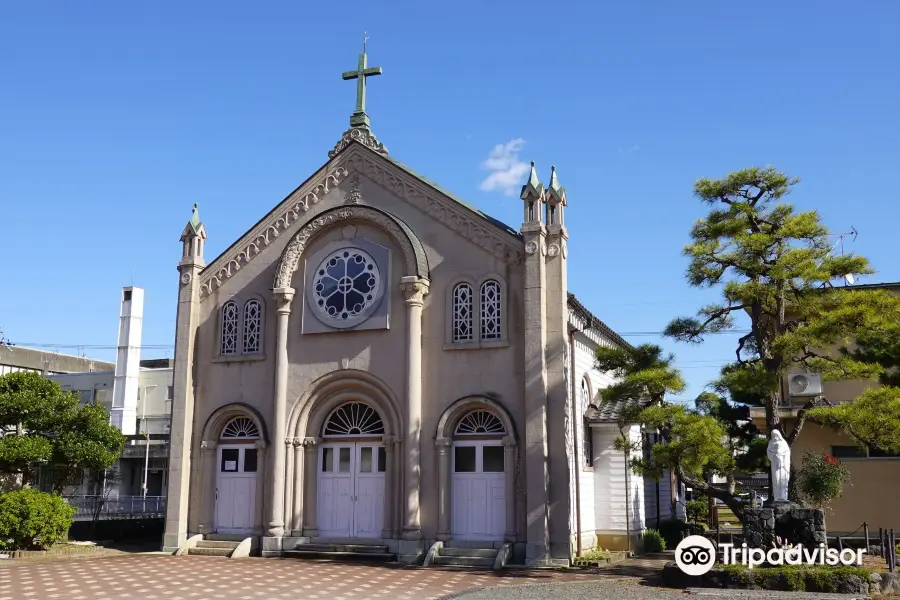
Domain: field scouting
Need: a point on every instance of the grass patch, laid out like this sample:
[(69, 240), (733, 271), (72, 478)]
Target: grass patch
[(596, 554), (795, 578)]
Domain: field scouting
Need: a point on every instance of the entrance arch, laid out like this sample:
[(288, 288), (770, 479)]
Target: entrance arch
[(233, 458), (476, 451), (346, 415)]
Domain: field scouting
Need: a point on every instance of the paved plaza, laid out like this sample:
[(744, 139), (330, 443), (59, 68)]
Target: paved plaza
[(161, 577)]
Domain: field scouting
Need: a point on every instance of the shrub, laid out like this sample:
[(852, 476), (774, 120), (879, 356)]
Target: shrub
[(697, 510), (653, 541), (674, 530), (33, 520), (821, 479), (796, 578)]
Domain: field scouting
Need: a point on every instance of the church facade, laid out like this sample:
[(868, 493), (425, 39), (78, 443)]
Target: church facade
[(377, 360)]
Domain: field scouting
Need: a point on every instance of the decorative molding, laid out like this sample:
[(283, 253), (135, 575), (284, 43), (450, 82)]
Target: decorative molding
[(553, 250), (363, 135), (531, 247), (186, 278), (310, 443), (208, 446), (450, 213), (283, 297), (290, 258), (565, 249), (415, 290), (269, 230), (355, 194), (349, 232)]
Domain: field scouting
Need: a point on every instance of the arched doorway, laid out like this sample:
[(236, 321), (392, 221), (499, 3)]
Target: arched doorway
[(236, 477), (351, 468), (478, 480)]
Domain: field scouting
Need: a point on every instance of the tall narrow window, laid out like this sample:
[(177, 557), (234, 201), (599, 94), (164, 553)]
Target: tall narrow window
[(462, 313), (229, 328), (490, 310), (252, 326), (587, 438)]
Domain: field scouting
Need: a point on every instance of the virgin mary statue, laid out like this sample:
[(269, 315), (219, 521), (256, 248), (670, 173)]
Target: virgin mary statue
[(780, 457)]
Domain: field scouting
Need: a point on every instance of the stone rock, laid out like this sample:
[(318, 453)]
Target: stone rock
[(887, 583), (852, 584)]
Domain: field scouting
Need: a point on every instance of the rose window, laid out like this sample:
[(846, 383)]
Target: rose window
[(346, 284)]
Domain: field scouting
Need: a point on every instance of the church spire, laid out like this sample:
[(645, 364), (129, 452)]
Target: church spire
[(359, 120), (192, 238), (556, 199)]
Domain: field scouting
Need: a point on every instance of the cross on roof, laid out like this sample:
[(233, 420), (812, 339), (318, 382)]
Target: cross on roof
[(359, 118)]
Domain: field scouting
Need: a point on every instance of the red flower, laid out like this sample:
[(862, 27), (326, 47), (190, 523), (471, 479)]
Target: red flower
[(831, 460)]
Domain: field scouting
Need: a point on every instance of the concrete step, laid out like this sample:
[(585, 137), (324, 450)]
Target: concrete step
[(469, 552), (225, 537), (339, 555), (217, 544), (464, 561), (210, 552), (361, 548)]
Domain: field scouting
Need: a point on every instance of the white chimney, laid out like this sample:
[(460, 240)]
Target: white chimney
[(128, 361)]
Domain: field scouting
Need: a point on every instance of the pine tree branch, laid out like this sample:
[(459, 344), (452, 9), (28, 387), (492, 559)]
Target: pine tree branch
[(713, 491), (740, 348), (802, 417)]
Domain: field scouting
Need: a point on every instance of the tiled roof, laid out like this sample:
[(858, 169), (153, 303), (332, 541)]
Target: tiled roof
[(609, 412), (594, 322)]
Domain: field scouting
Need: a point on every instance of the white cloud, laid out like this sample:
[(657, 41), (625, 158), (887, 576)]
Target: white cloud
[(507, 171)]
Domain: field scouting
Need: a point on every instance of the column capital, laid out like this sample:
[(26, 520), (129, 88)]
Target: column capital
[(208, 446), (310, 443), (260, 445), (389, 440), (443, 442), (297, 442), (509, 442), (414, 289), (283, 298)]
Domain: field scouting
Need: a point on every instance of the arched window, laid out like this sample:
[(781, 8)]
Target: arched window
[(252, 326), (587, 438), (353, 418), (490, 310), (462, 313), (240, 428), (480, 422), (229, 328)]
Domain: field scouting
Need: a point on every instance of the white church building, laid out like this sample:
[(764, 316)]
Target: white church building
[(377, 362)]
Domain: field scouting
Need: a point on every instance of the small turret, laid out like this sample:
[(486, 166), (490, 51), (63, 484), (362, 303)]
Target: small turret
[(555, 199), (533, 196), (193, 238)]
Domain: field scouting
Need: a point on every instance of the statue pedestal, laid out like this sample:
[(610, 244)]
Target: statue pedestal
[(787, 520)]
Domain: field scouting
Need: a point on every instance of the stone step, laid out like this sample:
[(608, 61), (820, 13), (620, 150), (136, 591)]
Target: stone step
[(469, 552), (338, 555), (210, 551), (464, 561), (217, 544), (360, 548), (225, 537)]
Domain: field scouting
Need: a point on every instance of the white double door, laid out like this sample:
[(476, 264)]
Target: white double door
[(351, 490), (236, 488), (479, 491)]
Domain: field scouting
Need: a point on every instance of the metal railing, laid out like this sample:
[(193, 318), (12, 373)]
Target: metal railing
[(88, 508)]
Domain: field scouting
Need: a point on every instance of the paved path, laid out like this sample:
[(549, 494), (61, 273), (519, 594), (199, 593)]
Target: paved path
[(156, 577)]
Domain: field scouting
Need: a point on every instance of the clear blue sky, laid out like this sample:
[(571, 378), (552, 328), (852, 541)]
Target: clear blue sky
[(116, 117)]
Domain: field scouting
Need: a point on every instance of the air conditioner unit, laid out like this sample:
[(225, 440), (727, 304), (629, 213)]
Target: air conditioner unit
[(804, 385)]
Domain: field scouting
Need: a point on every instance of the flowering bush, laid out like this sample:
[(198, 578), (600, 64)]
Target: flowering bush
[(821, 479)]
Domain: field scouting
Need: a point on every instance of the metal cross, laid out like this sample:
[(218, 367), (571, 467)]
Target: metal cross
[(359, 116)]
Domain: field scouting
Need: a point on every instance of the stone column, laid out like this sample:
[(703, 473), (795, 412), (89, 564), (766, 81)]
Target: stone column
[(509, 470), (208, 495), (260, 487), (288, 485), (298, 487), (310, 485), (444, 446), (415, 290), (387, 528), (275, 528)]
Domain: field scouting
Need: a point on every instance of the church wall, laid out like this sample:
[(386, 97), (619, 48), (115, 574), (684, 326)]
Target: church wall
[(615, 487), (448, 374)]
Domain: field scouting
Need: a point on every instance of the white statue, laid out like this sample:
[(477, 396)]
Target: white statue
[(780, 456)]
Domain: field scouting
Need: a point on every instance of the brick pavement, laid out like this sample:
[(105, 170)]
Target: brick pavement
[(160, 577)]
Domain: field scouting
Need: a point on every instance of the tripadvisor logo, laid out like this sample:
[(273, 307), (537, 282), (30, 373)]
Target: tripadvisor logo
[(696, 555)]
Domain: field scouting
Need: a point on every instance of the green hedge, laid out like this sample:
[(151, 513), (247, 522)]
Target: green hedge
[(653, 541), (796, 578), (33, 520)]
